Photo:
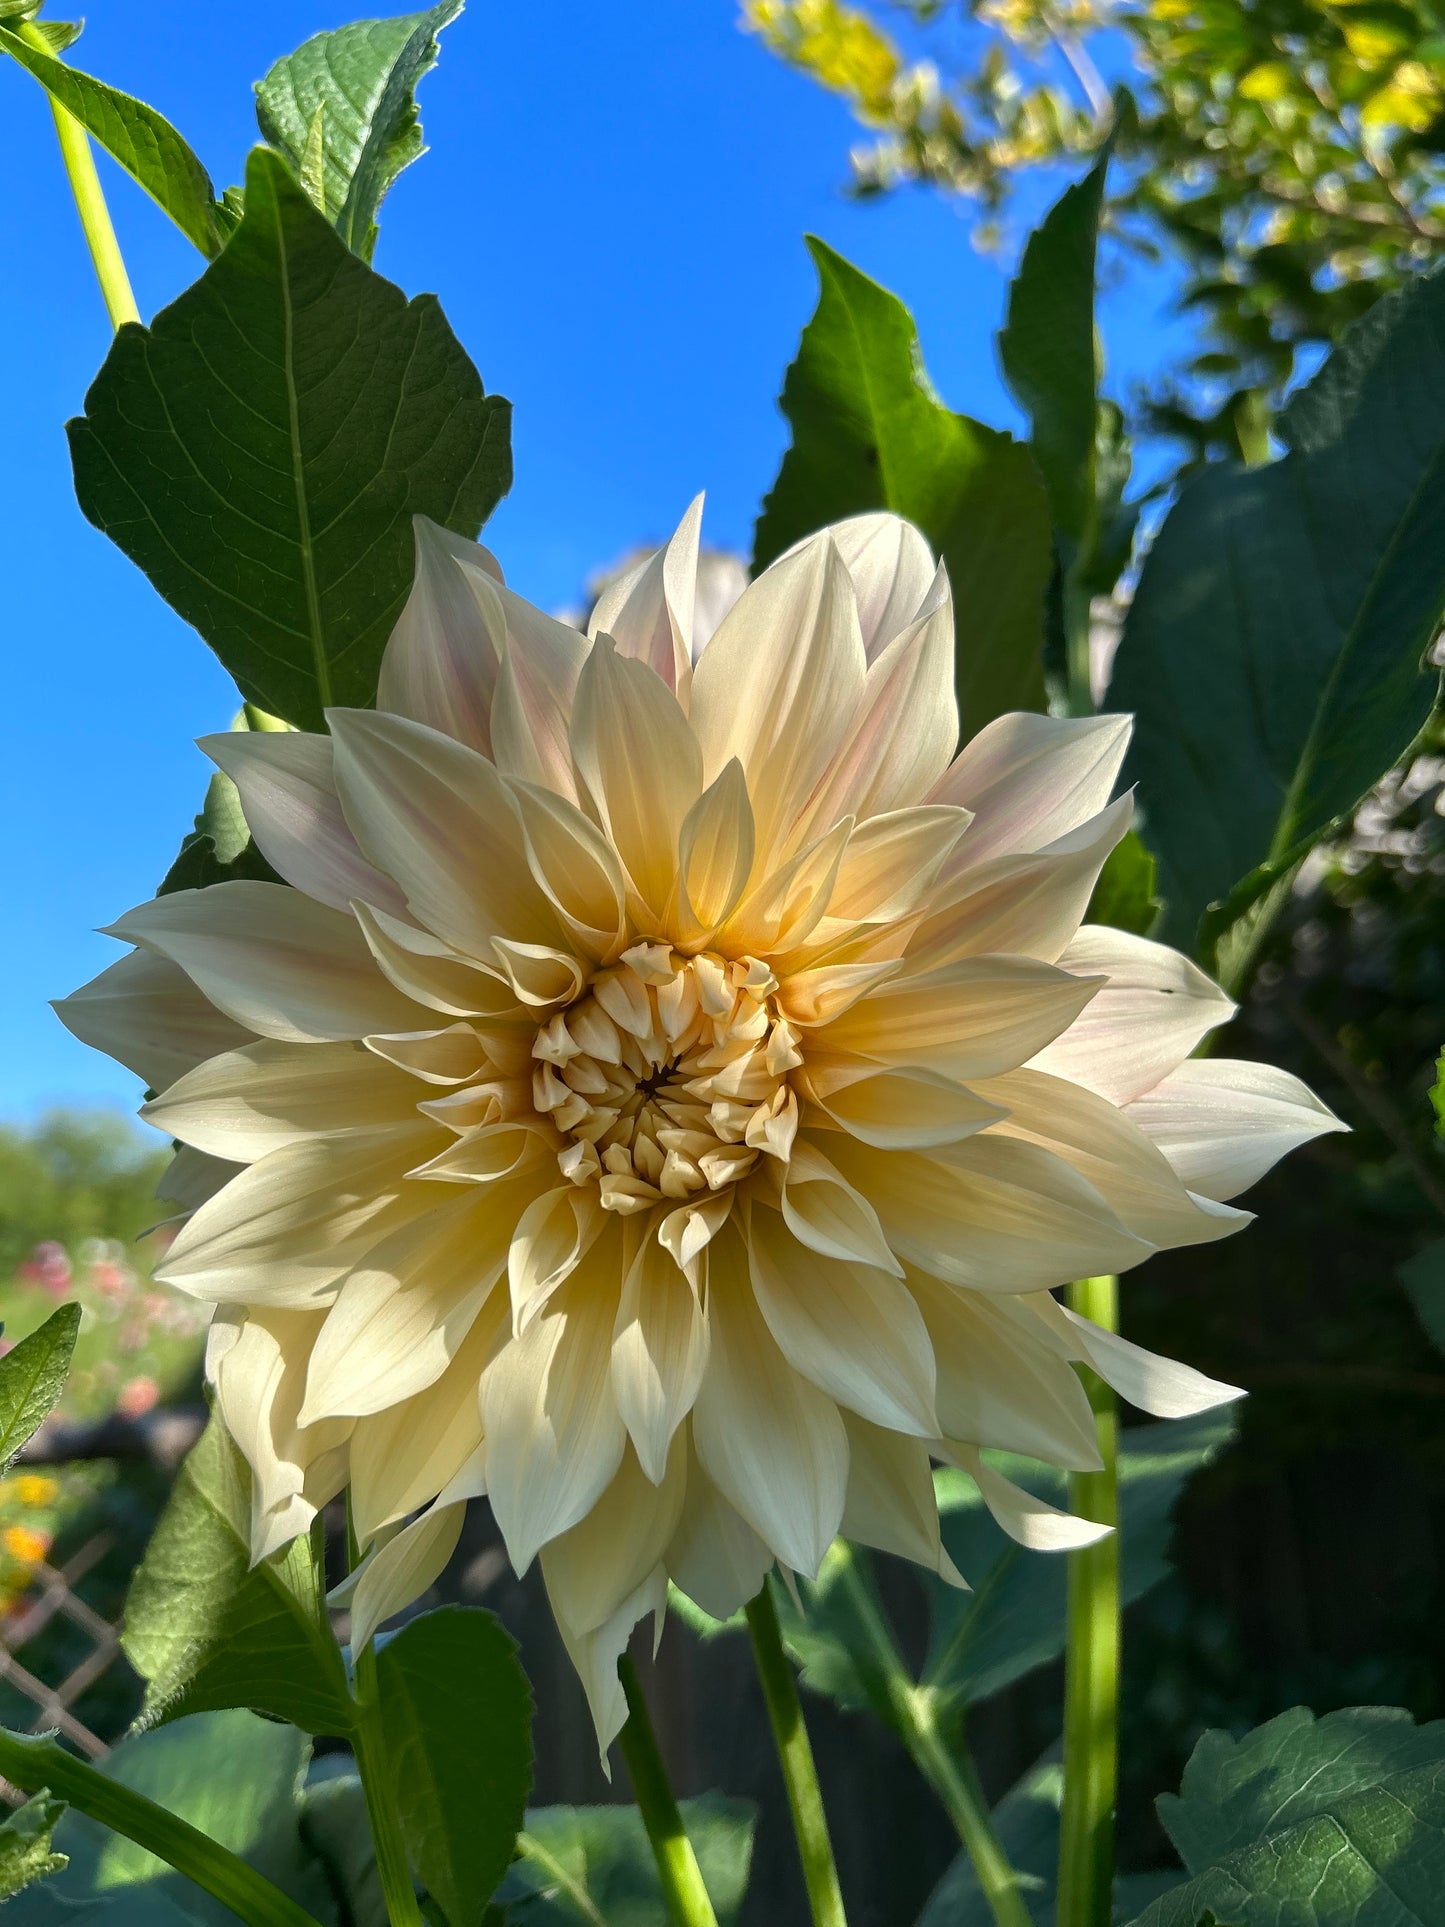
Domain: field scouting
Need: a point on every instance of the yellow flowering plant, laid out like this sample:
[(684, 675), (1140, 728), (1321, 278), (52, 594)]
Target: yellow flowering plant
[(691, 1084)]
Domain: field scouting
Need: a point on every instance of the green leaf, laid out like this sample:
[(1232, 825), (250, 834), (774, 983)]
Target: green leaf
[(869, 433), (206, 1629), (1273, 652), (218, 848), (594, 1865), (1312, 1823), (141, 140), (362, 79), (194, 1822), (260, 451), (1124, 894), (1048, 348), (1014, 1619), (1423, 1279), (32, 1377), (26, 1854), (334, 1826), (457, 1713), (1437, 1096), (232, 1775)]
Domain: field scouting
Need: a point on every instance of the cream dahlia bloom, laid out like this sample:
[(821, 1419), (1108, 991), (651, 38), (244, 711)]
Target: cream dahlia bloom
[(672, 1088)]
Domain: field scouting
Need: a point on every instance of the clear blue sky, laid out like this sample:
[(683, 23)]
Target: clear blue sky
[(612, 214)]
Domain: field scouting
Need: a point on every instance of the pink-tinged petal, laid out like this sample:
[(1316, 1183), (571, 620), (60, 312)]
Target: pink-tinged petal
[(1028, 906), (145, 1012), (1223, 1123), (437, 976), (439, 817), (1152, 1010), (532, 708), (892, 571), (276, 961), (440, 666), (904, 728), (288, 797), (772, 1444), (648, 611), (778, 685), (1031, 779)]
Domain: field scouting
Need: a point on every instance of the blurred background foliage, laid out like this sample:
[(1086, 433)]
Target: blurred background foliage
[(1288, 155)]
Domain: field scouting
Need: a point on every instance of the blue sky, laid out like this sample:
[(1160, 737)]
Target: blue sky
[(612, 214)]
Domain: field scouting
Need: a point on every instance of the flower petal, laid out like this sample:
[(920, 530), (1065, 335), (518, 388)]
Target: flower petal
[(1160, 1386), (906, 1108), (440, 666), (852, 1330), (891, 863), (891, 568), (828, 1214), (1223, 1123), (439, 817), (532, 708), (605, 1557), (1151, 1011), (715, 851), (640, 763), (659, 1351), (272, 959), (146, 1013), (1032, 1521), (715, 1556), (648, 611), (778, 683), (288, 796), (773, 1444), (402, 1568), (243, 1103), (554, 1434), (891, 1503), (1032, 779), (974, 1018)]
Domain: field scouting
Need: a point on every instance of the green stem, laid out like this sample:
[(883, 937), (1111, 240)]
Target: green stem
[(369, 1745), (795, 1753), (917, 1717), (1078, 626), (682, 1882), (1091, 1675), (34, 1762), (89, 199)]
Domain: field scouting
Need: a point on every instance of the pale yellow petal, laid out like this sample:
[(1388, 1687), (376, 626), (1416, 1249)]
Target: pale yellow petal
[(715, 1557), (401, 1569), (648, 610), (974, 1018), (1032, 1521), (852, 1330), (602, 1560), (276, 962), (1223, 1123), (432, 973), (891, 1503), (440, 666), (891, 863), (532, 707), (577, 868), (906, 1108), (287, 786), (1030, 779), (772, 1444), (830, 1215), (659, 1351), (716, 847), (146, 1013)]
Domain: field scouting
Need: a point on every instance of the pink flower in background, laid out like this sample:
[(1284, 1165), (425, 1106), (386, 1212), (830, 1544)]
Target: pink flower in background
[(137, 1397), (49, 1267)]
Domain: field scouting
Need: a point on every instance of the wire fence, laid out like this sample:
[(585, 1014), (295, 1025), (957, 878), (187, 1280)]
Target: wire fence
[(53, 1595)]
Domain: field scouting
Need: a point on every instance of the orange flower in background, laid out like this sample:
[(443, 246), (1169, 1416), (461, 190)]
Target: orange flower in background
[(25, 1545), (672, 1088)]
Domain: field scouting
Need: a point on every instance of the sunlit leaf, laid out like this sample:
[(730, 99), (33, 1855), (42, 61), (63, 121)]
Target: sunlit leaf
[(32, 1377)]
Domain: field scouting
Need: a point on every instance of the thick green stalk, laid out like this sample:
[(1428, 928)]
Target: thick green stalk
[(1091, 1675), (89, 199), (33, 1763), (795, 1753), (943, 1760), (369, 1745), (682, 1882)]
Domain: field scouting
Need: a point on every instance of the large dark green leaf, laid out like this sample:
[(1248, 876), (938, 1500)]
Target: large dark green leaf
[(362, 81), (1014, 1618), (1423, 1277), (594, 1865), (260, 451), (143, 141), (1335, 1822), (206, 1629), (233, 1776), (335, 1828), (457, 1712), (1273, 653), (32, 1377), (1049, 352), (869, 433)]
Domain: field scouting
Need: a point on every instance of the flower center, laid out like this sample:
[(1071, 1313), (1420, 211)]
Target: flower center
[(668, 1076)]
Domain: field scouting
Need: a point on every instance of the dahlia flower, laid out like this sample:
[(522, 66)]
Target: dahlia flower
[(671, 1088)]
